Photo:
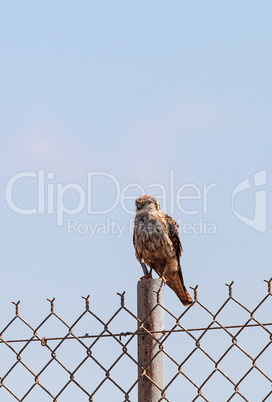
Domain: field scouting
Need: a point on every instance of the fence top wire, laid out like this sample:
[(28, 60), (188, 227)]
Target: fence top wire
[(71, 367)]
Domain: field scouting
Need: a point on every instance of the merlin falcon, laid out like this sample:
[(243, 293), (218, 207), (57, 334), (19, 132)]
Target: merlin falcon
[(157, 244)]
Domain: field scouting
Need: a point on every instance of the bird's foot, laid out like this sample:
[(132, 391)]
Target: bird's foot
[(163, 279), (148, 276)]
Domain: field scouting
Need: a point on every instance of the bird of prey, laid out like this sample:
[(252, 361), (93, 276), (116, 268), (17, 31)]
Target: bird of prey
[(157, 244)]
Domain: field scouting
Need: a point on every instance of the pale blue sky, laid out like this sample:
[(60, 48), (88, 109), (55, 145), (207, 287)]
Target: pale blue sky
[(137, 91)]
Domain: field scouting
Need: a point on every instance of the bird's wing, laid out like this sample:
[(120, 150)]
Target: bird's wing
[(176, 283), (172, 228)]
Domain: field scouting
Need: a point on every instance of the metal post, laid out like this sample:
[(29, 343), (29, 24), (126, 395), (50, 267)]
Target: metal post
[(150, 356)]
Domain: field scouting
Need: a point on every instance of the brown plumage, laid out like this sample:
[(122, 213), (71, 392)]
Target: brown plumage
[(157, 243)]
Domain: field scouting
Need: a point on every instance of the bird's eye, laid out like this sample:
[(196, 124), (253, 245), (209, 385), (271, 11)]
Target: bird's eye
[(148, 202)]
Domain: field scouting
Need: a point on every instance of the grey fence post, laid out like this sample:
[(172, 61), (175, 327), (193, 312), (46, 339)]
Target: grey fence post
[(150, 356)]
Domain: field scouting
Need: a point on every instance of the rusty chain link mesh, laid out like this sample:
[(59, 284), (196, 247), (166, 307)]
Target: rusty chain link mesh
[(217, 360)]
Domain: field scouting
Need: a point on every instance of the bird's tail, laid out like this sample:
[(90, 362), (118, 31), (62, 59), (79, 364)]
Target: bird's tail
[(177, 285)]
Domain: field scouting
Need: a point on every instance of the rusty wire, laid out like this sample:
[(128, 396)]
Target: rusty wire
[(125, 341)]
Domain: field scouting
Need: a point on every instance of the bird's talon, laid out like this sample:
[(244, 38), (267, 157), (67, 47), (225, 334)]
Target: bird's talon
[(148, 276), (163, 279)]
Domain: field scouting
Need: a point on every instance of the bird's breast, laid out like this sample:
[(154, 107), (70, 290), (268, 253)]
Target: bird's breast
[(151, 229), (152, 243)]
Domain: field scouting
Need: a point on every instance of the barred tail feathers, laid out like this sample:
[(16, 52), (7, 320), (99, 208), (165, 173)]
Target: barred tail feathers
[(177, 285)]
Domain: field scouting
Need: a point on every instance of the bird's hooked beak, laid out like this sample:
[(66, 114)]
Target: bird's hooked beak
[(138, 206)]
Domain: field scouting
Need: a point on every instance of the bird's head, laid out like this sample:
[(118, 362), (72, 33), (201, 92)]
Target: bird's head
[(146, 203)]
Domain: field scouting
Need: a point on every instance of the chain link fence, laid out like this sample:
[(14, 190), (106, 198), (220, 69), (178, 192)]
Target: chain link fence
[(226, 356)]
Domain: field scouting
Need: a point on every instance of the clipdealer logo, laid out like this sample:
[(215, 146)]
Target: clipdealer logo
[(258, 222), (51, 198), (189, 199)]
